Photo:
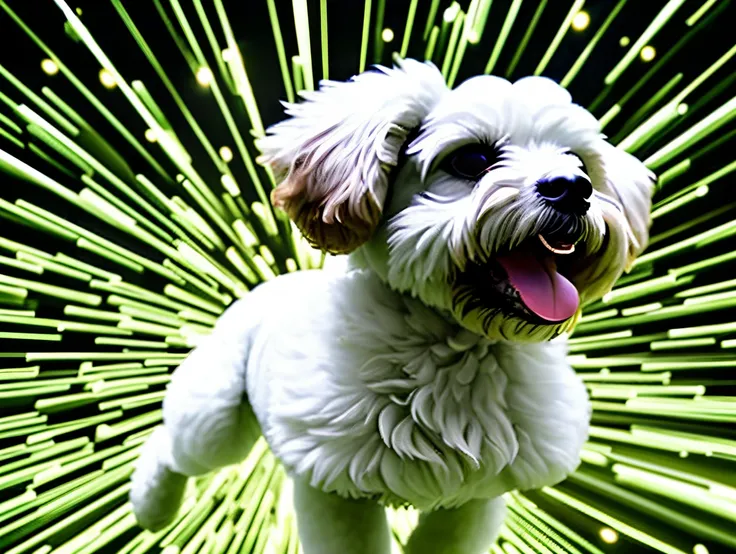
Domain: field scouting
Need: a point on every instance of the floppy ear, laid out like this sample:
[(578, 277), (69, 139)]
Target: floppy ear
[(630, 182), (333, 156)]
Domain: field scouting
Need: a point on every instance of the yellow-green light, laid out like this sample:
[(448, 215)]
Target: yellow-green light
[(107, 79), (648, 53), (204, 76), (581, 21), (49, 67)]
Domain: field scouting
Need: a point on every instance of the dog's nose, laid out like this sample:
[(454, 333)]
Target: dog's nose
[(567, 194)]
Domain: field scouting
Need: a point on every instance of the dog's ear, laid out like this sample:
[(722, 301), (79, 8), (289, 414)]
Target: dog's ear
[(629, 181), (333, 156)]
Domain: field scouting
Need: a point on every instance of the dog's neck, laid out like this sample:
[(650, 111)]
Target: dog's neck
[(361, 260)]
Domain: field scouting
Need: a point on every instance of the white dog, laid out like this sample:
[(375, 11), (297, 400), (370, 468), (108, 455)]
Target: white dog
[(480, 220)]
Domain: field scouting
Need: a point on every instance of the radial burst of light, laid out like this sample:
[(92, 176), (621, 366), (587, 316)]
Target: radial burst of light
[(117, 254)]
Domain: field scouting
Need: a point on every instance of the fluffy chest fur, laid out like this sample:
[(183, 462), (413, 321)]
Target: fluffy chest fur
[(369, 393)]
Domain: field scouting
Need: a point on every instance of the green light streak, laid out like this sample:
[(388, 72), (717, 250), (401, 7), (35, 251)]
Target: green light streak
[(647, 131), (657, 510), (614, 523), (718, 233), (693, 19), (280, 50), (508, 23), (409, 26), (645, 288), (301, 21), (297, 72), (527, 37), (378, 29), (697, 132), (431, 17), (576, 7), (583, 58), (654, 27), (463, 40), (224, 110), (364, 39), (683, 200), (40, 102), (237, 70), (682, 344), (431, 44), (324, 39), (96, 103), (457, 27)]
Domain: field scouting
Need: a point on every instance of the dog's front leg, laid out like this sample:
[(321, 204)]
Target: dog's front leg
[(329, 524), (470, 529), (208, 421)]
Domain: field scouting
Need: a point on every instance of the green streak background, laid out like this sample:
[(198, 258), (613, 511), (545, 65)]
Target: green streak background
[(93, 328)]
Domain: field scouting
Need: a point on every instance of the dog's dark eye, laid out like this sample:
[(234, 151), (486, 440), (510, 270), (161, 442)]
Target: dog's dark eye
[(470, 162)]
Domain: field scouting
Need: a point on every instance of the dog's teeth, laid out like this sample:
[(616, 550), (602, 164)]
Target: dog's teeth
[(564, 248)]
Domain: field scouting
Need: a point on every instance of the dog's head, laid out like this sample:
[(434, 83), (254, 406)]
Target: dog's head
[(500, 204)]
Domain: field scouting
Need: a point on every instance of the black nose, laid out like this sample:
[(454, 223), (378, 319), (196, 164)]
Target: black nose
[(567, 194)]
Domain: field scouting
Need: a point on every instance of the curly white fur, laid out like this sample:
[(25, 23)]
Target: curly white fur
[(375, 380)]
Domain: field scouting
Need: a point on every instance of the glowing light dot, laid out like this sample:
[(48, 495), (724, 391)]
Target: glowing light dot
[(624, 42), (228, 55), (581, 21), (204, 76), (107, 79), (387, 35), (79, 12), (700, 549), (682, 109), (226, 154), (608, 535), (451, 13), (49, 67), (701, 191), (473, 37), (150, 135), (684, 454), (648, 53)]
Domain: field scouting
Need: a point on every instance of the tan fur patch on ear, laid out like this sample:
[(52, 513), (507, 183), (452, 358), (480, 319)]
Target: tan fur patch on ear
[(339, 235)]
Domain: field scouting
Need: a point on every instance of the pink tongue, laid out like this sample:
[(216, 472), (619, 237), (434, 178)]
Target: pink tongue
[(543, 291)]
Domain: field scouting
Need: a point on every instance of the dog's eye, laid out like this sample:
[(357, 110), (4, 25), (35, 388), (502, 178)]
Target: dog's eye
[(470, 162)]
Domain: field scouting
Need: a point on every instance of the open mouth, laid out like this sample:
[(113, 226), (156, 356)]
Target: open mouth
[(531, 280)]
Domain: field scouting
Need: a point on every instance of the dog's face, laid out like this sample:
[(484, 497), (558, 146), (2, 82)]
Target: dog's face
[(498, 203)]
